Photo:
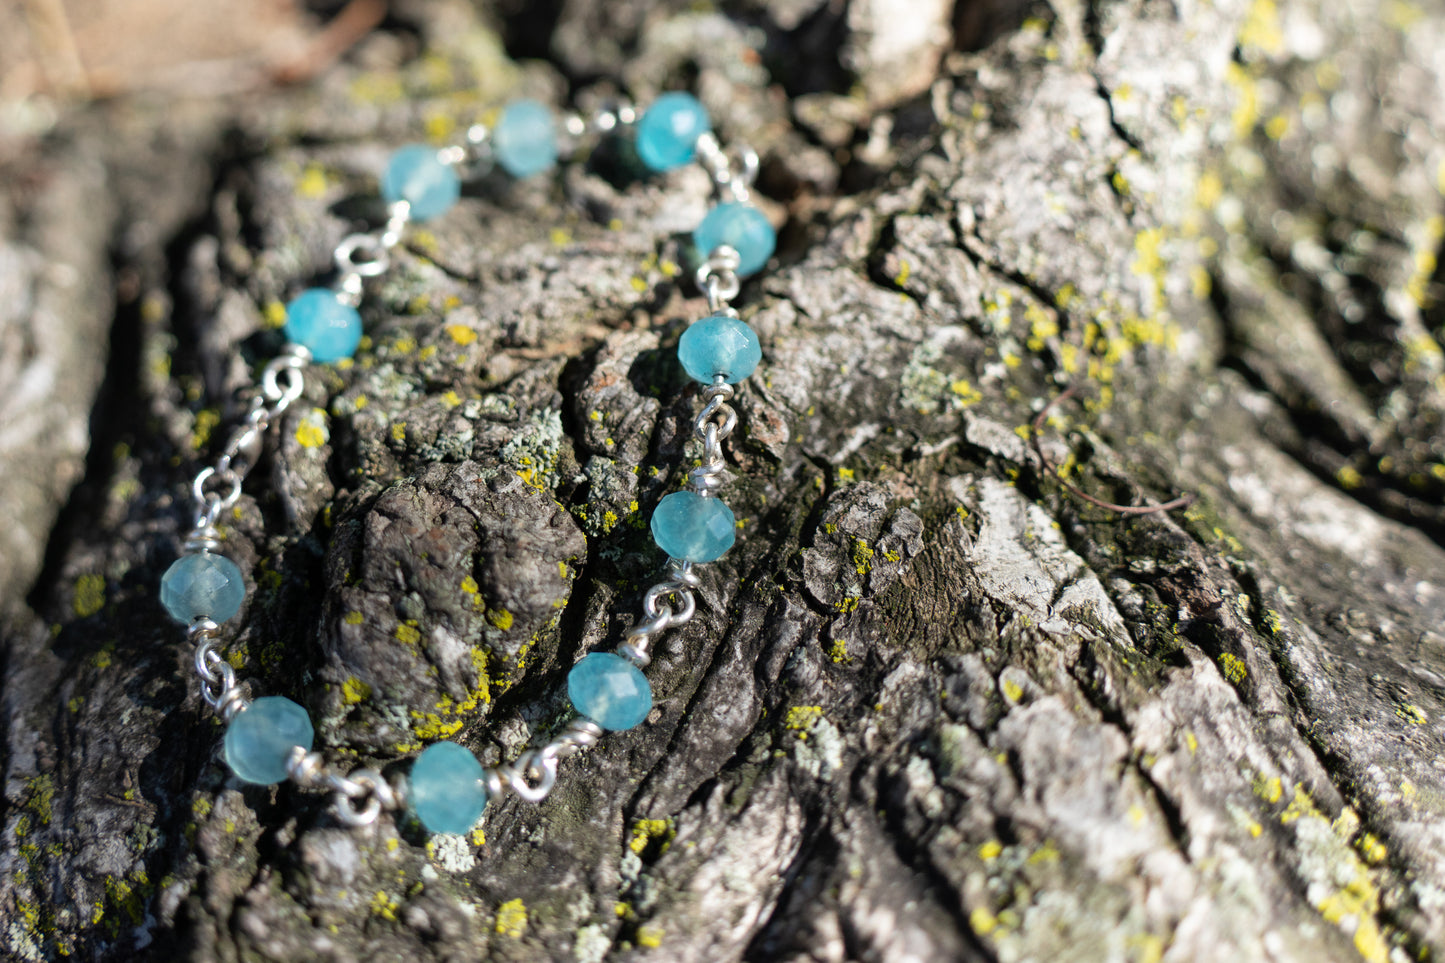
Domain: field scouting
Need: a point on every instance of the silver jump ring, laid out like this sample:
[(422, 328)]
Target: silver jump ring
[(377, 258), (527, 763)]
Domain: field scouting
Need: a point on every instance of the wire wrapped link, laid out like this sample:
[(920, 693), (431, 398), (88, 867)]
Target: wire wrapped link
[(361, 796), (733, 175), (717, 277), (659, 615), (531, 764), (218, 679)]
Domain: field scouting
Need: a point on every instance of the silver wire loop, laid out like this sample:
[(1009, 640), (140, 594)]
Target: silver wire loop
[(282, 380), (363, 784), (717, 278), (375, 257), (532, 765), (733, 178)]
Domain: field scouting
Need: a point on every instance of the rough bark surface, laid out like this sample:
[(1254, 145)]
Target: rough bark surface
[(933, 706)]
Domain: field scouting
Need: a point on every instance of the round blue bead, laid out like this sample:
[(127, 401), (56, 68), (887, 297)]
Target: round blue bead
[(609, 690), (525, 141), (719, 345), (260, 740), (416, 174), (205, 585), (693, 527), (667, 133), (319, 321), (446, 790), (741, 227)]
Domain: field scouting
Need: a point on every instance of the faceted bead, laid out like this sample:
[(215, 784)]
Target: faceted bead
[(260, 740), (719, 345), (318, 320), (205, 585), (525, 141), (446, 790), (693, 527), (741, 227), (609, 690), (416, 174), (667, 133)]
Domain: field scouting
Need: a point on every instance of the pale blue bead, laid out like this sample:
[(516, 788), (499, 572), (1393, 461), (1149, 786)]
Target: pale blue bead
[(525, 141), (693, 527), (446, 790), (719, 345), (325, 326), (205, 585), (416, 174), (260, 740), (667, 133), (609, 690), (741, 227)]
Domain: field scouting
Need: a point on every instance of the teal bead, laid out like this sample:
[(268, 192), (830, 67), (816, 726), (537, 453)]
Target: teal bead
[(317, 320), (205, 585), (525, 140), (719, 345), (693, 527), (260, 741), (416, 174), (609, 690), (741, 227), (446, 791), (667, 133)]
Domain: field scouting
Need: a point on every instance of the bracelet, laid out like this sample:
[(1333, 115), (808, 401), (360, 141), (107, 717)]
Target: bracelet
[(270, 739)]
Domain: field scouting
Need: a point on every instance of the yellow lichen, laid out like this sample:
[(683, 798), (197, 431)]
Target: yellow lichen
[(1233, 668), (353, 691), (89, 595), (990, 850), (461, 334), (312, 431), (644, 831), (408, 633), (649, 935), (512, 919), (802, 719)]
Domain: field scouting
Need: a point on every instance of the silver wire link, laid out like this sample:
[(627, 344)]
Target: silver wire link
[(375, 256), (659, 615), (217, 487), (579, 129), (733, 176), (531, 764), (398, 214), (717, 277), (714, 423), (361, 796), (218, 679)]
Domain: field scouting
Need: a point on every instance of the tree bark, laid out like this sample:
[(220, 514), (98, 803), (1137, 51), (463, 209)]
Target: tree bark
[(941, 702)]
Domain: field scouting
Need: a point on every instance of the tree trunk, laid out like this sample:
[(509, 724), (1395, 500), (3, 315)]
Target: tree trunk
[(943, 700)]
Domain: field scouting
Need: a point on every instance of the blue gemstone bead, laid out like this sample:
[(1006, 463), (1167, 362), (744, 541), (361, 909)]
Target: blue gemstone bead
[(260, 740), (416, 174), (609, 690), (446, 790), (318, 320), (719, 345), (202, 586), (525, 141), (741, 227), (667, 133), (693, 527)]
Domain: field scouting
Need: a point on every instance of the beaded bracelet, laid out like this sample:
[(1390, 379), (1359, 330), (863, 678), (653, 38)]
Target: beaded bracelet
[(269, 740)]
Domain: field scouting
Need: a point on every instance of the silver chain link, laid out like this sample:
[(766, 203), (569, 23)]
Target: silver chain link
[(361, 795), (733, 174), (218, 679)]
